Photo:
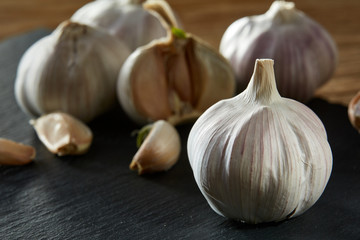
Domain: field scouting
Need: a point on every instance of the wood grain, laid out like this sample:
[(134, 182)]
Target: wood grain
[(209, 19)]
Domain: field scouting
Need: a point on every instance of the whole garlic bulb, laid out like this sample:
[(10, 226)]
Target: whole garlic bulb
[(73, 70), (129, 20), (305, 53), (259, 157)]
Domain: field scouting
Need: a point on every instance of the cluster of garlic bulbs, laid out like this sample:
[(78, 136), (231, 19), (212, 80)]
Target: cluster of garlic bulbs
[(77, 66), (259, 157), (305, 53), (256, 157), (74, 70)]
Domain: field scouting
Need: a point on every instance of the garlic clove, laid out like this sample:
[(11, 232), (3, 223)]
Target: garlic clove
[(354, 111), (13, 153), (305, 53), (159, 148), (259, 157), (72, 70), (131, 21), (63, 134)]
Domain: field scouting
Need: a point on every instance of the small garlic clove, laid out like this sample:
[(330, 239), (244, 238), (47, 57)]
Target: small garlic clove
[(159, 150), (354, 111), (13, 153), (63, 134)]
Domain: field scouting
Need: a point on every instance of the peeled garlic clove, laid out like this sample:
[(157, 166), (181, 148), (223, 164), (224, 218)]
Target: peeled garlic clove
[(354, 111), (128, 20), (72, 70), (259, 157), (159, 148), (63, 134), (305, 53), (13, 153), (174, 79)]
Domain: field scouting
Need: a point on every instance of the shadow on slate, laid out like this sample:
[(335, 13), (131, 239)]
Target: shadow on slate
[(96, 196)]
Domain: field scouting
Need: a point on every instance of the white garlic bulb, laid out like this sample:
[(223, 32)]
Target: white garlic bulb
[(259, 157), (73, 70), (129, 20), (305, 53), (174, 79)]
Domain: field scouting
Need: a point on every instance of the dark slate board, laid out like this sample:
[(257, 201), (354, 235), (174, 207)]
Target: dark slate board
[(96, 196)]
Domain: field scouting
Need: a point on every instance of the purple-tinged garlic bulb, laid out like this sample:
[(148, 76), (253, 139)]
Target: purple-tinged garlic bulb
[(258, 157), (73, 70), (304, 52), (129, 20)]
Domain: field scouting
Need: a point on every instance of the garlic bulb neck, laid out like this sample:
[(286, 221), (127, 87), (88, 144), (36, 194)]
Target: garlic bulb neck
[(164, 11), (282, 12), (262, 86), (71, 30)]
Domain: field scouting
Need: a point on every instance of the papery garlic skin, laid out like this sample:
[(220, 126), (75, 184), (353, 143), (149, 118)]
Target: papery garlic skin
[(127, 20), (305, 53), (159, 151), (63, 134), (175, 79), (259, 157), (73, 70)]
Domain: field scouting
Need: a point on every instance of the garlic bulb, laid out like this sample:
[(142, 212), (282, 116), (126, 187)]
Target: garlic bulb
[(305, 53), (63, 134), (73, 70), (354, 111), (129, 20), (259, 157), (175, 79), (159, 148)]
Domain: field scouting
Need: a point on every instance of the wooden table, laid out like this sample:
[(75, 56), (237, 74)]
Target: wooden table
[(209, 19)]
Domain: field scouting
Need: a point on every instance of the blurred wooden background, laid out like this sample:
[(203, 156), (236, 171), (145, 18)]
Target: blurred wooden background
[(209, 19)]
